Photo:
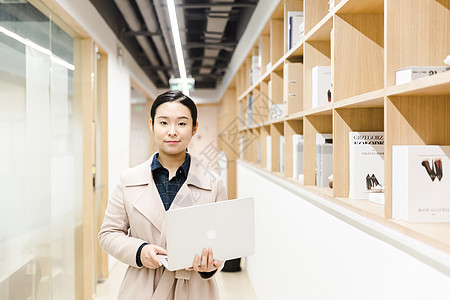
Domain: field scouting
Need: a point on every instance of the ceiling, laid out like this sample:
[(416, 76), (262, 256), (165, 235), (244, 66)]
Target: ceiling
[(209, 30)]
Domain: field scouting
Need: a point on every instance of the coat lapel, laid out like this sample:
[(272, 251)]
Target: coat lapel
[(148, 202), (198, 179)]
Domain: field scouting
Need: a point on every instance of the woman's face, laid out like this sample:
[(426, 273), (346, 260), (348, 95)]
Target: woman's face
[(172, 128)]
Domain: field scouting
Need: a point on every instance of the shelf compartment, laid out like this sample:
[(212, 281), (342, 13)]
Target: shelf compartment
[(361, 7), (276, 40), (413, 120), (415, 37), (276, 130), (290, 5), (435, 85), (347, 120), (313, 125), (317, 53), (260, 112), (358, 65), (290, 127), (264, 51), (261, 104), (264, 133)]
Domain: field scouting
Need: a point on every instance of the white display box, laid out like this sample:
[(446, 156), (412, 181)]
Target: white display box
[(269, 153), (324, 158), (412, 73), (297, 155), (366, 164), (321, 86), (421, 183), (295, 18), (377, 198)]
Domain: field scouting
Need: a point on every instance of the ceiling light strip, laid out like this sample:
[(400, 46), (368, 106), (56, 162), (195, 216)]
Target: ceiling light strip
[(177, 43), (27, 42)]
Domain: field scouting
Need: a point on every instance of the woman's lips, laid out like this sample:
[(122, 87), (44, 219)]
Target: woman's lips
[(172, 142)]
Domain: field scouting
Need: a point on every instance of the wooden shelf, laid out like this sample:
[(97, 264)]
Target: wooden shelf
[(370, 99), (435, 85), (324, 110), (364, 42)]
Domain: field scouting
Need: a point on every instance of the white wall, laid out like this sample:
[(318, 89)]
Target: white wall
[(303, 252)]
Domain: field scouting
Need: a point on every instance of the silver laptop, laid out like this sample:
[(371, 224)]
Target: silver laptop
[(228, 227)]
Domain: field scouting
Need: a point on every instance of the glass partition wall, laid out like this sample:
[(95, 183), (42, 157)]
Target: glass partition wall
[(40, 156)]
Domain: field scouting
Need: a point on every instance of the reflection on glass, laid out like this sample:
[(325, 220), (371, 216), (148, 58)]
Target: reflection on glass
[(37, 157)]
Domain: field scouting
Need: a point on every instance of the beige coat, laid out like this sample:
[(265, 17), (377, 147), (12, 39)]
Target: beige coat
[(135, 214)]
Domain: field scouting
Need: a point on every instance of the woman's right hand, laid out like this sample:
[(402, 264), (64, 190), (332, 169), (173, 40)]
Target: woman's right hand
[(149, 258)]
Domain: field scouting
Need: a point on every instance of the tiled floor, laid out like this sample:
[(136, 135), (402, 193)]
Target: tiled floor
[(232, 286)]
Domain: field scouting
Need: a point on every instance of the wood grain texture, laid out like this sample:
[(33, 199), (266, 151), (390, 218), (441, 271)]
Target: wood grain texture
[(417, 35), (358, 54)]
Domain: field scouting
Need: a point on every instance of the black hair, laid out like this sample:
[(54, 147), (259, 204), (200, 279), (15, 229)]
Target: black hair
[(171, 96)]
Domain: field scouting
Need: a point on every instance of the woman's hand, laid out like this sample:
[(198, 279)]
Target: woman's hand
[(149, 258), (206, 263)]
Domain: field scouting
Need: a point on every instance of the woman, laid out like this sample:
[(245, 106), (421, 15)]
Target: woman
[(132, 230)]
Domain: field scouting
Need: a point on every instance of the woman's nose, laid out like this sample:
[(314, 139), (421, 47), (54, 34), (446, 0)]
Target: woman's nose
[(172, 131)]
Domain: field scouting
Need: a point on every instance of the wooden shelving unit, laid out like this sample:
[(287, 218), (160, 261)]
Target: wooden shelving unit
[(364, 42)]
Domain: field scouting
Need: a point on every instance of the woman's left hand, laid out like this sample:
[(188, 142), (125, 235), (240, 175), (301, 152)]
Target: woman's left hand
[(206, 263)]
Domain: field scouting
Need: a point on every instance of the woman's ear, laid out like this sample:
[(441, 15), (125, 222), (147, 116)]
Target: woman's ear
[(194, 129), (151, 125)]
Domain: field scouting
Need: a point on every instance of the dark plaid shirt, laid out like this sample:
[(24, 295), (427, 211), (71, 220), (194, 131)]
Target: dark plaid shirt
[(169, 188)]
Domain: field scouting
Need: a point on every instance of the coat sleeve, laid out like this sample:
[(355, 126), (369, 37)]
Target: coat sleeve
[(113, 235)]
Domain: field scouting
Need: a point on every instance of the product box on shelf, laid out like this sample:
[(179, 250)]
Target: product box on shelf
[(409, 74), (321, 86), (324, 158), (297, 155), (420, 183), (295, 19), (366, 164)]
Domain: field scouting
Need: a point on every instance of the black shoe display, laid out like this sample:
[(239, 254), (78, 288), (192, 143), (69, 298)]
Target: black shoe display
[(438, 168), (374, 180), (368, 182), (430, 171)]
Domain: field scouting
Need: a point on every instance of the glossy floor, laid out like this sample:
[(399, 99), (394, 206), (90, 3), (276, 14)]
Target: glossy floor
[(232, 286)]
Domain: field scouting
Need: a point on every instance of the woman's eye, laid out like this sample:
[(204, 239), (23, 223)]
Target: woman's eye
[(182, 124), (163, 123)]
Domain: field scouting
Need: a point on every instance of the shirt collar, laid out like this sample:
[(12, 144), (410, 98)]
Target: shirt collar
[(155, 165)]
